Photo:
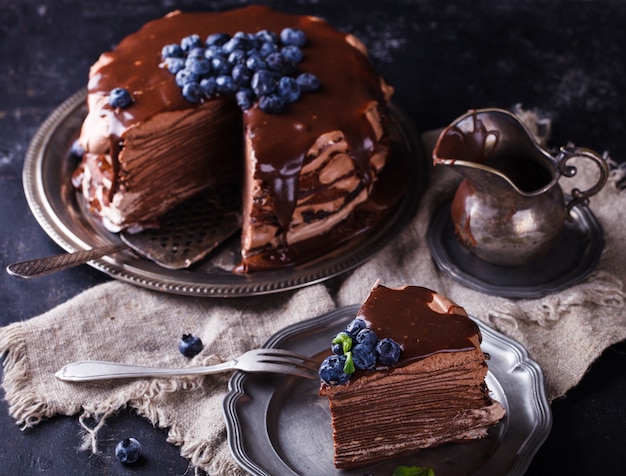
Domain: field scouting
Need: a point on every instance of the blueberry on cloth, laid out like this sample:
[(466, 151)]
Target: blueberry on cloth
[(388, 351), (120, 97), (128, 450), (367, 337), (331, 370), (190, 345), (293, 36), (363, 356), (308, 82), (354, 326), (288, 89)]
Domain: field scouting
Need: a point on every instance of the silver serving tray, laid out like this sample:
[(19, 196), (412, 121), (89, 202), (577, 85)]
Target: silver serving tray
[(280, 426), (573, 257), (53, 202)]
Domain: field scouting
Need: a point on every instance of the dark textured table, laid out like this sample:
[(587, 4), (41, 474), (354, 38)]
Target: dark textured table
[(564, 58)]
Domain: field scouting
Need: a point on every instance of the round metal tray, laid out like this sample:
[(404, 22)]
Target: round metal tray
[(56, 208), (279, 425), (573, 257)]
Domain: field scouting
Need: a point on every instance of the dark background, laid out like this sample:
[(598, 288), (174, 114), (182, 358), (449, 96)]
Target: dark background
[(566, 59)]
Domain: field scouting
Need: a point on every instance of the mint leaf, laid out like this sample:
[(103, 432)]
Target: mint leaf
[(348, 367), (345, 340), (413, 471)]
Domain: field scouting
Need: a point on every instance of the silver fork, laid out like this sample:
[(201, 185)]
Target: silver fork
[(257, 360)]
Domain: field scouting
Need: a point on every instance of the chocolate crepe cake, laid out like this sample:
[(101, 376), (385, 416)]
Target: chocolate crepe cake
[(422, 385), (304, 166)]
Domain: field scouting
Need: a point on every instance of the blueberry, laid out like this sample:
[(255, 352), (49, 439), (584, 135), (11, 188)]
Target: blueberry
[(263, 82), (337, 348), (292, 53), (235, 44), (217, 39), (288, 89), (331, 370), (225, 84), (174, 65), (255, 62), (128, 450), (213, 51), (308, 82), (220, 65), (208, 86), (199, 66), (363, 356), (355, 325), (120, 97), (190, 42), (267, 36), (388, 351), (267, 49), (76, 150), (367, 337), (293, 36), (245, 99), (344, 340), (196, 53), (237, 57), (193, 92), (185, 76), (272, 104), (241, 75), (277, 62), (190, 345), (172, 51)]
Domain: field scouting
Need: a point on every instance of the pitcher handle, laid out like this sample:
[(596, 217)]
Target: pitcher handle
[(578, 196)]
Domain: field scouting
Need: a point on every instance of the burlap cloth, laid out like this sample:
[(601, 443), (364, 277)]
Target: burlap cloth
[(563, 332)]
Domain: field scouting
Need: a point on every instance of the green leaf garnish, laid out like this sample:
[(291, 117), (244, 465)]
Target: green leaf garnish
[(345, 340), (413, 471), (348, 367)]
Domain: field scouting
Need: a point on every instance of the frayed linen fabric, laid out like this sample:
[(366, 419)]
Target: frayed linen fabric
[(563, 332)]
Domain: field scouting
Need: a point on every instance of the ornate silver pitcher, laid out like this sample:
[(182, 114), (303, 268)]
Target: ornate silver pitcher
[(510, 208)]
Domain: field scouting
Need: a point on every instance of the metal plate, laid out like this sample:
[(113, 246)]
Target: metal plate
[(279, 425), (573, 258), (55, 206)]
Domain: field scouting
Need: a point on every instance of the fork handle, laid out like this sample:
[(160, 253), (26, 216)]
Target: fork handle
[(93, 370)]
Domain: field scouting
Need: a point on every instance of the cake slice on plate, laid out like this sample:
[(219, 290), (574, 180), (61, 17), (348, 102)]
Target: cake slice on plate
[(407, 373)]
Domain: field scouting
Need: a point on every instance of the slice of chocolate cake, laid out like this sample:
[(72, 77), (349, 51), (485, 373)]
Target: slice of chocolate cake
[(418, 382)]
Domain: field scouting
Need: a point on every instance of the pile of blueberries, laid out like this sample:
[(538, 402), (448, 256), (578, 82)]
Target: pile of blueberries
[(357, 347), (253, 67)]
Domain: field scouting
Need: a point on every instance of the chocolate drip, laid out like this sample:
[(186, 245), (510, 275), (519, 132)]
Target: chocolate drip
[(406, 315)]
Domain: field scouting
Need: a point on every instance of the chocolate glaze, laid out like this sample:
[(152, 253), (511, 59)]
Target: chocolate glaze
[(405, 316), (348, 81)]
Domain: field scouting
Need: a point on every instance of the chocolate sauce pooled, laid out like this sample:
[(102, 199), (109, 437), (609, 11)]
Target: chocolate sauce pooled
[(347, 78), (405, 316)]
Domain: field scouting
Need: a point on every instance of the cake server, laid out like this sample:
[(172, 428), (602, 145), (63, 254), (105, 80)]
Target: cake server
[(256, 360), (185, 235)]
